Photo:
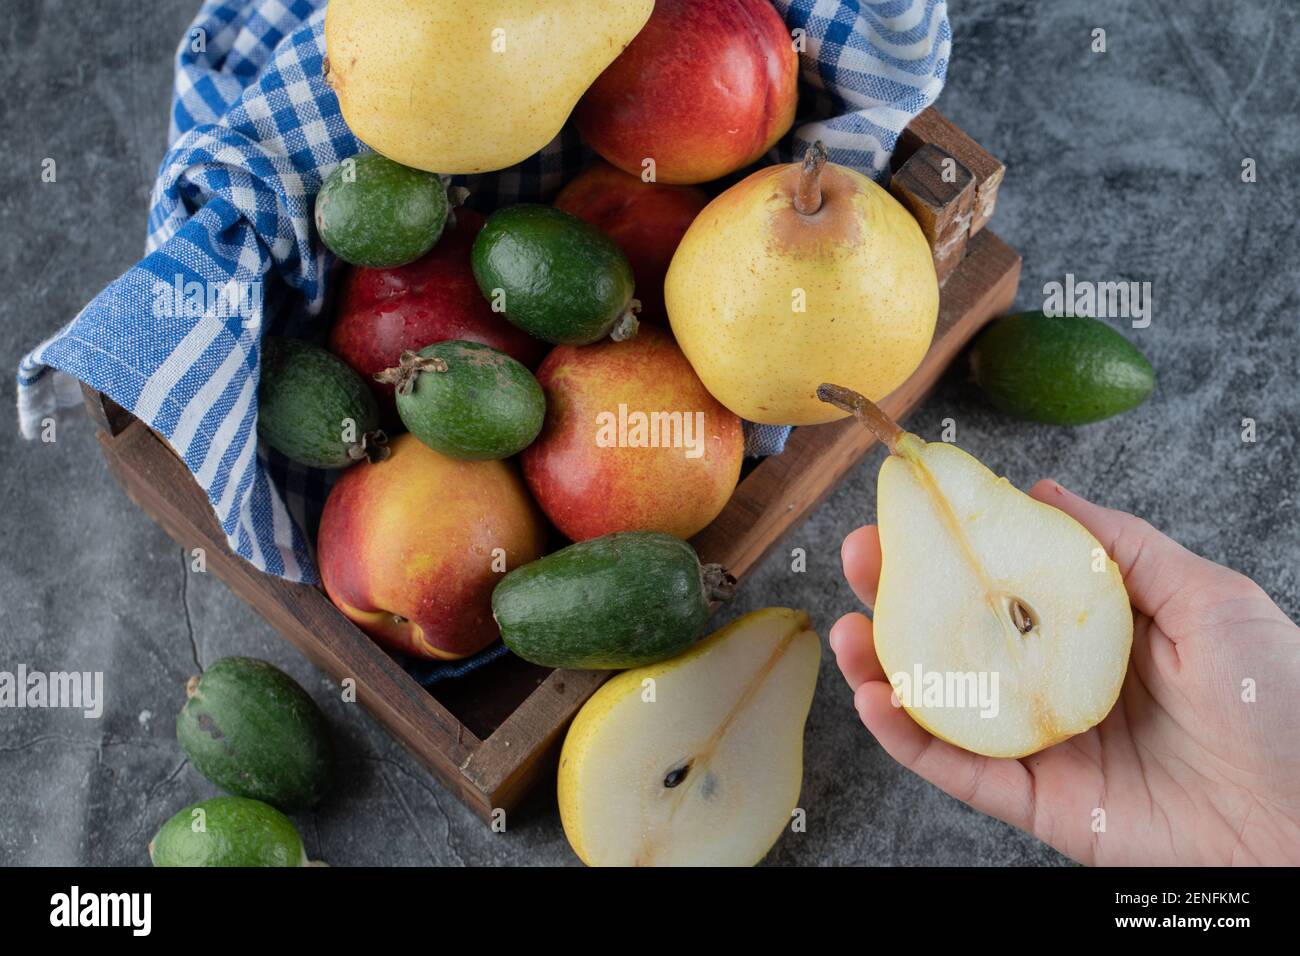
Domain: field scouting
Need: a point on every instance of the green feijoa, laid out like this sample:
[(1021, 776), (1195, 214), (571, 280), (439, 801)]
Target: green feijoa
[(374, 212), (467, 400), (228, 831), (1059, 370), (314, 409), (558, 278), (621, 600), (253, 731)]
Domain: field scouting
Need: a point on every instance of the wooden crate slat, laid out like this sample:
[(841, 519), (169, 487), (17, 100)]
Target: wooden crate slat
[(535, 728), (939, 192), (931, 126), (104, 412)]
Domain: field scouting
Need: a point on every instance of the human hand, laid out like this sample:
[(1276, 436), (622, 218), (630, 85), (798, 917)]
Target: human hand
[(1188, 770)]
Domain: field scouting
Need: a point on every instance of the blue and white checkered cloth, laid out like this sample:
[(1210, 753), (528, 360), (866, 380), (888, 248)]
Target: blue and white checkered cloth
[(254, 132)]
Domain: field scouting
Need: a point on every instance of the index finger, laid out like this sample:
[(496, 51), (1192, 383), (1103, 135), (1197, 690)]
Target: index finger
[(860, 555)]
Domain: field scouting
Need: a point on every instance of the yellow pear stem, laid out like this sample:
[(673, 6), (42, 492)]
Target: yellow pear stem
[(864, 410), (808, 194)]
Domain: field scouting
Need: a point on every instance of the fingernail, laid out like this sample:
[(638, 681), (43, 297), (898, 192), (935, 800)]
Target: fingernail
[(834, 641)]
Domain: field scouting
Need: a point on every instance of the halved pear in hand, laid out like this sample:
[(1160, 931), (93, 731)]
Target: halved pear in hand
[(1000, 621), (697, 760)]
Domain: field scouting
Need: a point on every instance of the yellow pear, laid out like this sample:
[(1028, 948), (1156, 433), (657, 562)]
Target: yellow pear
[(697, 760), (469, 86), (802, 274), (1002, 624)]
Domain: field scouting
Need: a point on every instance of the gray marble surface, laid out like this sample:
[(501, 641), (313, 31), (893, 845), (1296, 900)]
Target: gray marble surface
[(1122, 166)]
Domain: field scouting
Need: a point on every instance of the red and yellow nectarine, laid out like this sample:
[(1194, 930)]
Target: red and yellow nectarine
[(410, 548), (706, 88), (632, 441)]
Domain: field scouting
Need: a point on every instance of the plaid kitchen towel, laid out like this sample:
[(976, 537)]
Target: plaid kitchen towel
[(230, 250)]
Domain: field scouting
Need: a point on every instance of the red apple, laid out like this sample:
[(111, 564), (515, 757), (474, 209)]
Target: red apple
[(645, 220), (411, 547), (383, 312), (706, 88), (604, 462)]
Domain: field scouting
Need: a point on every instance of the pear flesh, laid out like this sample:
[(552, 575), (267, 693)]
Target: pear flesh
[(1000, 621), (698, 760)]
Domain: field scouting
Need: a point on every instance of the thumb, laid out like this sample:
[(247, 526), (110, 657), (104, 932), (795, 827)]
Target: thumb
[(1154, 566)]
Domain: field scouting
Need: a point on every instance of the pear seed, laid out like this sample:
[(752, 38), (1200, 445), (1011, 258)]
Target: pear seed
[(676, 776), (1021, 617)]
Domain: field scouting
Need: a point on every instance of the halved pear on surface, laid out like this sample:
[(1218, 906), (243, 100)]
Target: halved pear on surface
[(697, 760), (1000, 621)]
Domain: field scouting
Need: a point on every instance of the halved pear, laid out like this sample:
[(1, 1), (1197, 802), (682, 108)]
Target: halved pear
[(1000, 621), (697, 760)]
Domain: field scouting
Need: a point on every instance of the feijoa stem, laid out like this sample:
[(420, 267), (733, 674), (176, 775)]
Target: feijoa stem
[(373, 447), (808, 194), (192, 687), (403, 375), (457, 196), (865, 411), (627, 324), (719, 583)]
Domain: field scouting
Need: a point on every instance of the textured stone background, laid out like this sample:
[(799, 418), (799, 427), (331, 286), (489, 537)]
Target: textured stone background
[(1123, 166)]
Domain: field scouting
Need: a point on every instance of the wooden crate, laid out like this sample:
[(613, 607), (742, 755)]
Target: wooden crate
[(493, 734)]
